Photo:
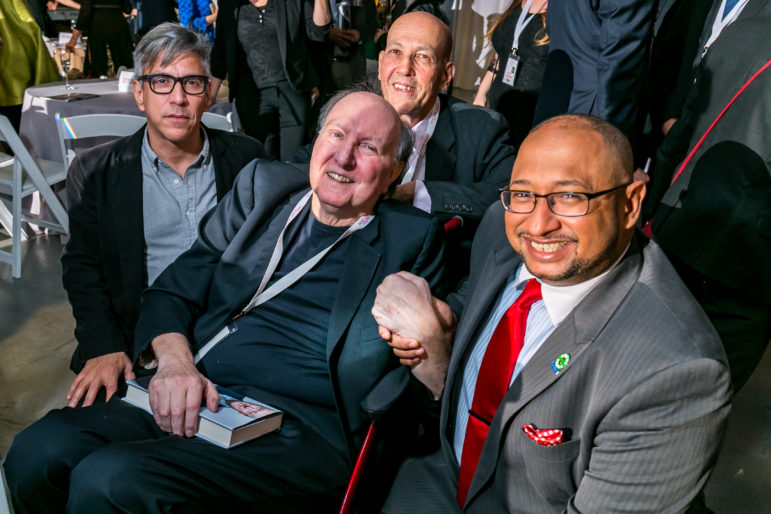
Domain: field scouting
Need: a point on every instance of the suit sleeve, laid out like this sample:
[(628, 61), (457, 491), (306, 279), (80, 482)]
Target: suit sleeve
[(97, 328), (485, 136), (625, 32), (654, 450)]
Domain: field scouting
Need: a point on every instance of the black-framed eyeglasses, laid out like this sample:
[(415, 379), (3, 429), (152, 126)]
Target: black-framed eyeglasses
[(162, 84), (562, 204)]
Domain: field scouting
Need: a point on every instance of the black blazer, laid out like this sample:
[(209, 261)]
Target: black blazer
[(295, 23), (103, 263), (210, 283)]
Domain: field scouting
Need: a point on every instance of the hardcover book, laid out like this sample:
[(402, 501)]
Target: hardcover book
[(238, 419)]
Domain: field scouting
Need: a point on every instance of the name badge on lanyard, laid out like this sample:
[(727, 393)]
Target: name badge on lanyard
[(512, 63)]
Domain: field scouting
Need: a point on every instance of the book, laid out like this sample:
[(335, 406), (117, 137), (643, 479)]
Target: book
[(238, 419)]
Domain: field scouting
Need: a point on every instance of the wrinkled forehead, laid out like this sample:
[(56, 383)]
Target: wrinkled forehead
[(423, 31)]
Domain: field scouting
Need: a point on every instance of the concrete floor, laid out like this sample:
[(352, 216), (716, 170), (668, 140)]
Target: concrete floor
[(36, 342)]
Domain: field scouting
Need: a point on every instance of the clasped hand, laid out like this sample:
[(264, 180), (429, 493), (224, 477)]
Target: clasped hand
[(418, 327)]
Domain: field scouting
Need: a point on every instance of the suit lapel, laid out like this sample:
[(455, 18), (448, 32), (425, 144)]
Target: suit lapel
[(361, 263), (439, 150), (572, 336)]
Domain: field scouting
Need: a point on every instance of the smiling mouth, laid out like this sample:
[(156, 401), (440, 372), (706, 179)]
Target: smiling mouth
[(404, 88), (339, 178), (548, 247)]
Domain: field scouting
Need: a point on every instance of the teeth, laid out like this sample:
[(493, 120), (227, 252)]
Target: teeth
[(551, 247), (339, 178), (400, 87)]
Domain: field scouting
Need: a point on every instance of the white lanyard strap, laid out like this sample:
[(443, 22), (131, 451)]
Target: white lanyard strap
[(263, 295), (421, 140), (722, 21), (522, 22)]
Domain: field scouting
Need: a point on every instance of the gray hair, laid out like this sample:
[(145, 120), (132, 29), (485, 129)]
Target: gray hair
[(404, 150), (167, 42)]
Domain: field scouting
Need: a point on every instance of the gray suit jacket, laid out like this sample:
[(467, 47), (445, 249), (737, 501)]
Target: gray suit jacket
[(644, 399)]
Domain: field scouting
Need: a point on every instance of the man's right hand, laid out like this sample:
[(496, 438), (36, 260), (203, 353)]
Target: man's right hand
[(177, 387), (102, 371), (344, 37), (419, 327)]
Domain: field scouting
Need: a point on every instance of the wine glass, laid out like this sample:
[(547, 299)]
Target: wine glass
[(65, 59)]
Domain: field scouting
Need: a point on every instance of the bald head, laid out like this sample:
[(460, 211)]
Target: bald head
[(617, 149), (415, 65), (429, 26)]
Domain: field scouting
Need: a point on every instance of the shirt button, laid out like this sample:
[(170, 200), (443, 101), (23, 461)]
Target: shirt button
[(187, 214), (176, 181)]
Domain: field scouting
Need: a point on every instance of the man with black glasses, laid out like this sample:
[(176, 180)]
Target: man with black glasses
[(135, 203), (583, 376)]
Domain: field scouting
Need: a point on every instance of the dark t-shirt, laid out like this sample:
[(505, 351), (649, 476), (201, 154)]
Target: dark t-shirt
[(281, 345), (258, 36)]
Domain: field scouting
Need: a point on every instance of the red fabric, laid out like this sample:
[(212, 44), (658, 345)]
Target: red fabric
[(545, 436), (493, 381)]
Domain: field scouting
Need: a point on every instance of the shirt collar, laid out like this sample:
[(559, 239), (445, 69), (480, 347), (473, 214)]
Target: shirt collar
[(202, 160), (561, 300), (421, 127)]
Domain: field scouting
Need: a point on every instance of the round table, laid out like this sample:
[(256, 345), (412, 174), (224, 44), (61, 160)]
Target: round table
[(38, 124)]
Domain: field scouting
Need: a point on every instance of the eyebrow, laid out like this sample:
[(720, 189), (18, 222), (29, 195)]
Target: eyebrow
[(561, 183), (339, 125)]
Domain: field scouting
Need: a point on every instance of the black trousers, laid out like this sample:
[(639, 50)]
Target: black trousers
[(276, 116), (109, 28), (113, 458)]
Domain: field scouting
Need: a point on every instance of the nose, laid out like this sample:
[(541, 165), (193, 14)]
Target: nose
[(345, 155), (542, 221), (178, 95), (404, 63)]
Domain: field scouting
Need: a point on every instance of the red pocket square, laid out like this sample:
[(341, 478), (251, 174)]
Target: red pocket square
[(545, 436)]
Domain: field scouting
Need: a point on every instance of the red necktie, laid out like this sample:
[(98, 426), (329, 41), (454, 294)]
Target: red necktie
[(493, 381)]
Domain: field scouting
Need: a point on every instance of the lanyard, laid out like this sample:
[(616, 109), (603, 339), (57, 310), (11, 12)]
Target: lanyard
[(263, 295), (722, 21), (421, 140), (522, 22)]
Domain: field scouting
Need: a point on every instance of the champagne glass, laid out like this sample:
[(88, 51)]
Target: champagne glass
[(65, 59)]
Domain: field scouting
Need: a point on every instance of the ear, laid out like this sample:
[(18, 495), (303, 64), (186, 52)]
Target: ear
[(634, 194), (449, 73), (380, 63), (139, 98)]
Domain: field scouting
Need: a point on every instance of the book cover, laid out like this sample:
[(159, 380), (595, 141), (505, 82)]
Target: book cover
[(238, 419)]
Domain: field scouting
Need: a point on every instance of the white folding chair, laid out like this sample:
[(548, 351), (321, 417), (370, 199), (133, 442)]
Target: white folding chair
[(20, 176), (94, 125), (217, 121)]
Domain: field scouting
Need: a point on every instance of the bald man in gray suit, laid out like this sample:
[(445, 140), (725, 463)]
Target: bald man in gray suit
[(615, 390)]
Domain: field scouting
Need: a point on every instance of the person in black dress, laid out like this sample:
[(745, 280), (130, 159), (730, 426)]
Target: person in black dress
[(261, 46), (516, 99), (105, 25)]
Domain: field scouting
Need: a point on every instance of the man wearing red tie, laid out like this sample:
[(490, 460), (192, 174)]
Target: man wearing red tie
[(582, 376)]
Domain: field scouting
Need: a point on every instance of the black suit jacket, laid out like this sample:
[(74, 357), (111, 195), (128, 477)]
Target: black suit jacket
[(103, 263), (295, 23), (606, 45), (210, 283)]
